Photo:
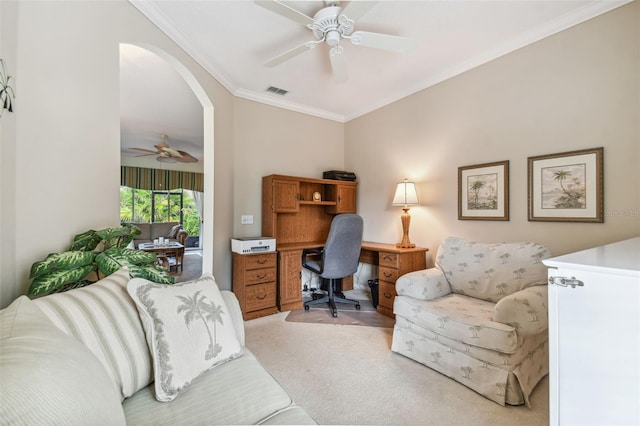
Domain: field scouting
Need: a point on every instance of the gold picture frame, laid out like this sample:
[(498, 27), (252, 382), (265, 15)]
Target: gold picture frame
[(567, 187), (483, 191)]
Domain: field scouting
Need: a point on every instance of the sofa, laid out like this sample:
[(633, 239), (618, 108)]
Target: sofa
[(151, 231), (129, 351), (479, 316)]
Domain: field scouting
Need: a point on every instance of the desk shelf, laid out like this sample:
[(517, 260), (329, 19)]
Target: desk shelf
[(318, 203)]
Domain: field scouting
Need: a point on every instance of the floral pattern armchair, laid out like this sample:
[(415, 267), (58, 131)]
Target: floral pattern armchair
[(479, 317)]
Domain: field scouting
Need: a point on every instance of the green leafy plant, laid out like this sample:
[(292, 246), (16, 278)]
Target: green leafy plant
[(94, 255)]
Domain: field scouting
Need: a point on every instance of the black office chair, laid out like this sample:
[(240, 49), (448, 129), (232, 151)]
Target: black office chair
[(338, 259)]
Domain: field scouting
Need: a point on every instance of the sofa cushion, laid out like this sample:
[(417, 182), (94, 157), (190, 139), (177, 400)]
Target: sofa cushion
[(461, 318), (49, 377), (237, 392), (145, 231), (491, 271), (105, 319), (162, 229), (188, 328)]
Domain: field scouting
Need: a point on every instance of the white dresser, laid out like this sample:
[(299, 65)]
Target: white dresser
[(594, 336)]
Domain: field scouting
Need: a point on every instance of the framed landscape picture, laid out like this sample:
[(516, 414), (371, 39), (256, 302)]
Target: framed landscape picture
[(483, 191), (567, 187)]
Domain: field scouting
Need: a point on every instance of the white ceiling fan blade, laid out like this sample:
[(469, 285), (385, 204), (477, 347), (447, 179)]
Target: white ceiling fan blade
[(383, 41), (356, 9), (338, 64), (291, 53), (286, 11)]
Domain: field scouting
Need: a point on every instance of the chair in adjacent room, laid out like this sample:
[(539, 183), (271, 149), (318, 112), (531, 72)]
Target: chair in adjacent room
[(337, 259)]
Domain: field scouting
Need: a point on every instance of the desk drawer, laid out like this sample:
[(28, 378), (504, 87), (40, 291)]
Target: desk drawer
[(388, 259), (257, 276), (387, 274), (260, 296), (260, 261), (386, 294)]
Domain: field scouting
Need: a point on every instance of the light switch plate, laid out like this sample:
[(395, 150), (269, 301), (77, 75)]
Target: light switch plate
[(246, 219)]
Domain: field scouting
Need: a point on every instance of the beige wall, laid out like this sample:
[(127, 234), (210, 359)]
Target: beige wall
[(272, 140), (575, 90), (66, 142), (59, 160)]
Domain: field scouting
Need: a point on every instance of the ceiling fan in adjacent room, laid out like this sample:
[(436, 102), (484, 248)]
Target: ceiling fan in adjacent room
[(166, 154), (331, 25)]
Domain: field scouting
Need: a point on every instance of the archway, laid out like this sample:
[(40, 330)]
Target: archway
[(207, 145)]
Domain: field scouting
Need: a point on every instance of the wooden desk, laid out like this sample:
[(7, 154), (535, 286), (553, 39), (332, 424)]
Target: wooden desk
[(392, 263)]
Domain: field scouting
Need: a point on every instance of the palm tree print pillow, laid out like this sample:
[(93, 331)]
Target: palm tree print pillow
[(188, 329)]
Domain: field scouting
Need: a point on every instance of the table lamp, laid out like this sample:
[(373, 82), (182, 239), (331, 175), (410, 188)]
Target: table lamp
[(405, 196)]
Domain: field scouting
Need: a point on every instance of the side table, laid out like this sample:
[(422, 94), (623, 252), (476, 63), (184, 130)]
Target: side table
[(170, 250)]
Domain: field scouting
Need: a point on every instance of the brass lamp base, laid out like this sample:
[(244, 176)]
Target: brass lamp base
[(403, 245), (406, 221)]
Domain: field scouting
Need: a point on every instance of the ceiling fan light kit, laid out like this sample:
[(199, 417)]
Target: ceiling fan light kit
[(330, 25)]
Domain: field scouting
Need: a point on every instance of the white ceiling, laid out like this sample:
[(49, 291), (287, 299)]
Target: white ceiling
[(233, 39)]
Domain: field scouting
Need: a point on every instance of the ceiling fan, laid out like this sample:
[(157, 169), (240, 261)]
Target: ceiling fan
[(332, 24), (166, 154)]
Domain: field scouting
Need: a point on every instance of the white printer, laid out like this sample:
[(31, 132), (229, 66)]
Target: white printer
[(253, 245)]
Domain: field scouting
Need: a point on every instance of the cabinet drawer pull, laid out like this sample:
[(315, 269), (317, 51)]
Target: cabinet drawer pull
[(388, 295), (261, 276), (387, 274), (387, 257), (262, 261), (565, 282), (264, 296)]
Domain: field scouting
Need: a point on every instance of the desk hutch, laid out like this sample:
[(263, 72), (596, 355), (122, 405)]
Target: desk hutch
[(294, 214), (297, 221)]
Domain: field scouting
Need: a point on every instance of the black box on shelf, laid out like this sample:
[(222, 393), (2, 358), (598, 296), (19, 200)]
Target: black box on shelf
[(339, 175)]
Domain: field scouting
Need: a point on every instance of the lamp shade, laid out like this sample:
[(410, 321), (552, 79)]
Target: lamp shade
[(406, 194)]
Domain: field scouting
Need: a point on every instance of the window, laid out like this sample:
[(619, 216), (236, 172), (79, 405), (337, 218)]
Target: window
[(144, 206)]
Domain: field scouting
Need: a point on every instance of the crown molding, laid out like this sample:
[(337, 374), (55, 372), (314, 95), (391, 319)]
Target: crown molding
[(562, 23), (589, 11), (164, 24), (292, 106)]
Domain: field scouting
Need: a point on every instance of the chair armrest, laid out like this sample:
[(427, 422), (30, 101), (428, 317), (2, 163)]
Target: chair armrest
[(526, 310), (236, 313), (426, 284), (182, 236), (312, 266)]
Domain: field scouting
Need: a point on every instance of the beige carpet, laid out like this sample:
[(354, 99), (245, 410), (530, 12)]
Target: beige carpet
[(347, 315), (343, 374)]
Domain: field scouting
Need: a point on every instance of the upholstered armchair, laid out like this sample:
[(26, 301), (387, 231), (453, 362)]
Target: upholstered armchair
[(479, 317)]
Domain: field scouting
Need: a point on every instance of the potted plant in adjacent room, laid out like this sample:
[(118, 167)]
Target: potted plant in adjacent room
[(94, 255)]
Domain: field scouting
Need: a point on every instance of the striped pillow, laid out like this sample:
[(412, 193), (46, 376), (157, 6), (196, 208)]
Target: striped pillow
[(105, 319)]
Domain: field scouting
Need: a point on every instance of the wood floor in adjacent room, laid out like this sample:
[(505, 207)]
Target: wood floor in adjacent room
[(347, 374)]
